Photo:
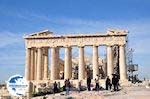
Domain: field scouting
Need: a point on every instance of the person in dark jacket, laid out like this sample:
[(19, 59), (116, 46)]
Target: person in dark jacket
[(114, 82), (89, 83), (108, 83), (55, 87)]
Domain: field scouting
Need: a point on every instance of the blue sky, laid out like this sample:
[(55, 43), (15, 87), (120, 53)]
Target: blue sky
[(20, 17)]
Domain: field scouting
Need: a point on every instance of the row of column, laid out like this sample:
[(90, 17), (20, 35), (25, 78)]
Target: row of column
[(37, 63), (122, 62)]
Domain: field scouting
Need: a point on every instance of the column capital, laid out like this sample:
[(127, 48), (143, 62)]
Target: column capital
[(39, 47), (80, 46), (53, 47), (123, 45), (67, 46), (109, 45), (95, 45), (27, 48)]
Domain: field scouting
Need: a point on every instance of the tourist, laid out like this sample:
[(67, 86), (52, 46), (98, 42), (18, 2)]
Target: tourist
[(58, 84), (114, 81), (79, 86), (89, 83), (64, 87), (108, 83), (117, 81), (97, 83), (67, 84), (55, 89)]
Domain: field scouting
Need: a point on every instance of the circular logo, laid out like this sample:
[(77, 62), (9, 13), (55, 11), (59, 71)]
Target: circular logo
[(17, 85)]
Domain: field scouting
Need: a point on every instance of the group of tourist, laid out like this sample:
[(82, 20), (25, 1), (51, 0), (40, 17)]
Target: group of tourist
[(97, 87), (109, 84), (115, 83), (66, 87)]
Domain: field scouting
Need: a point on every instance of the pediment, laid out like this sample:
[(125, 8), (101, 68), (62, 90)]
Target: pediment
[(116, 32), (41, 33)]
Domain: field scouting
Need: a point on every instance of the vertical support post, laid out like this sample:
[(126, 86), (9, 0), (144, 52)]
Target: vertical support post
[(95, 61), (81, 64), (68, 63), (122, 63), (28, 64), (109, 61), (39, 64)]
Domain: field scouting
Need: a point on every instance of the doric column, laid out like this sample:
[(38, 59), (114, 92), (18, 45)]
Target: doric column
[(32, 63), (39, 64), (68, 63), (109, 61), (53, 64), (95, 61), (122, 63), (42, 64), (81, 69), (57, 63), (27, 64), (35, 68), (46, 63)]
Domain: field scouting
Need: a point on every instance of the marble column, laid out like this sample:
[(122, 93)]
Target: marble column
[(39, 64), (57, 63), (42, 64), (68, 63), (81, 69), (35, 68), (122, 63), (95, 62), (45, 63), (28, 63), (32, 63), (109, 62), (53, 64)]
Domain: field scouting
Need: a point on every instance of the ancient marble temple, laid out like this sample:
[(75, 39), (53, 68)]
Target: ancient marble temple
[(37, 54)]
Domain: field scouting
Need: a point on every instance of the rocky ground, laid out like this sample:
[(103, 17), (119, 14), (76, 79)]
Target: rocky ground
[(134, 92), (125, 93)]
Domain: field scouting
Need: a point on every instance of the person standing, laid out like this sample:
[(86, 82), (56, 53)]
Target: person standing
[(55, 90), (79, 86), (117, 81), (97, 83), (67, 83), (114, 81), (108, 83), (89, 83)]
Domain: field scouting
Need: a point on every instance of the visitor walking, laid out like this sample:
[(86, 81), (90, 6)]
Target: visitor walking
[(108, 83)]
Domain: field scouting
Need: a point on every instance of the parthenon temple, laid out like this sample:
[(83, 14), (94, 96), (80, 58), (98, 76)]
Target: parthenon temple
[(40, 44)]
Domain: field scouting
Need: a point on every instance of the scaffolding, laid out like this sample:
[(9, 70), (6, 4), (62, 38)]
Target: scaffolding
[(131, 67)]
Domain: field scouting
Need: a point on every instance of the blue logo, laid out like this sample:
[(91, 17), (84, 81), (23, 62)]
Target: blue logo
[(17, 85)]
